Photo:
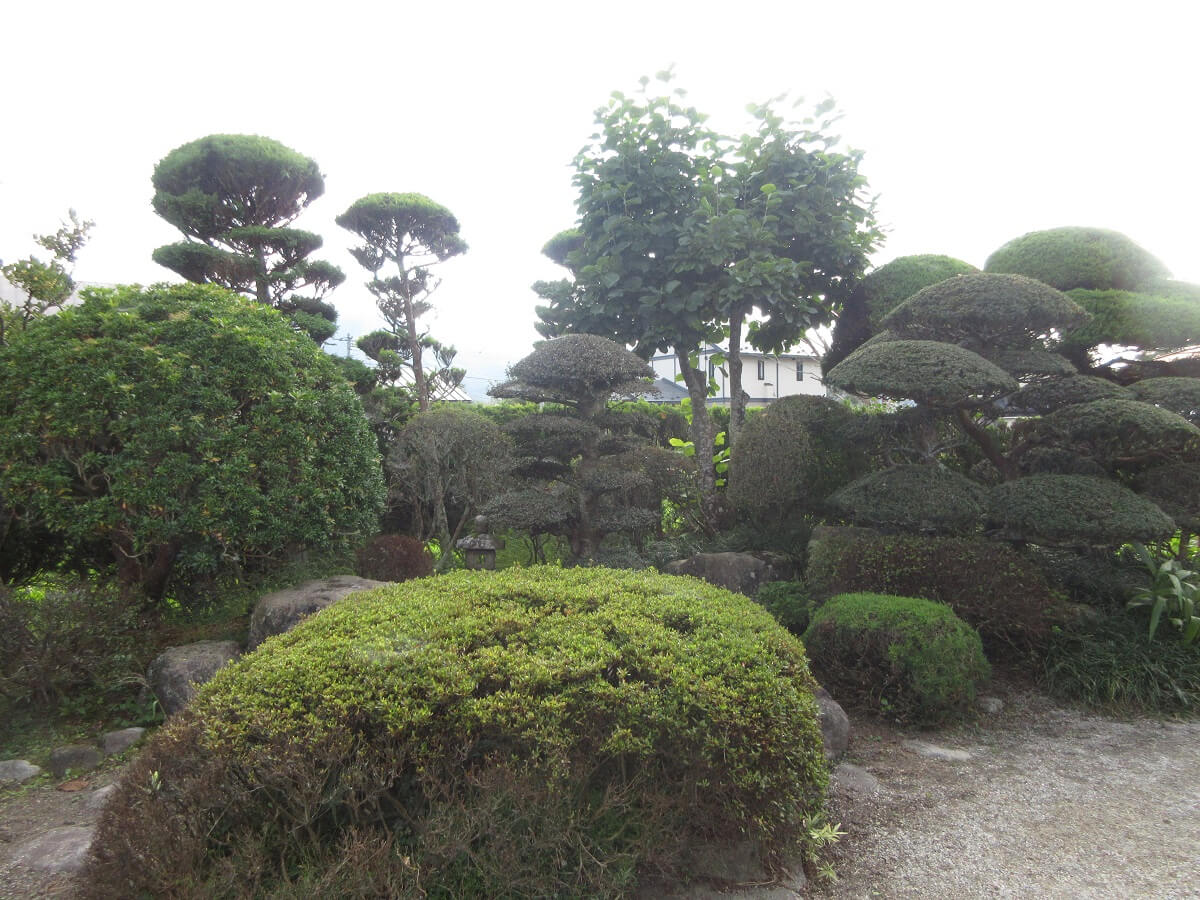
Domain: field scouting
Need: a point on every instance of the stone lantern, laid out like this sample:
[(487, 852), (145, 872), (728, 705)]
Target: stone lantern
[(480, 548)]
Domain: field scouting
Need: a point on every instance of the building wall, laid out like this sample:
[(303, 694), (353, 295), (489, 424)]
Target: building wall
[(764, 378)]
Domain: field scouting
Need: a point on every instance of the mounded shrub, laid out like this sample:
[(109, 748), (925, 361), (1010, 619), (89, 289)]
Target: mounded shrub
[(1179, 395), (535, 732), (1175, 488), (1074, 511), (891, 284), (393, 557), (929, 372), (1118, 433), (925, 498), (1075, 257), (989, 585), (788, 601), (910, 656), (1135, 320), (1055, 393)]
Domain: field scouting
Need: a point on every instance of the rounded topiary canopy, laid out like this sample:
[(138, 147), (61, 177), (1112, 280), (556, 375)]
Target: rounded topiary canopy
[(533, 732), (394, 225), (1143, 320), (986, 311), (1123, 432), (1030, 363), (1067, 258), (913, 498), (891, 284), (928, 372), (792, 456), (576, 368), (1179, 395), (1055, 393), (1175, 487), (1074, 511)]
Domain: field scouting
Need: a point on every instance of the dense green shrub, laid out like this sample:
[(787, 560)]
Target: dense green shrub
[(1074, 257), (185, 428), (1134, 319), (788, 601), (910, 656), (989, 585), (930, 372), (922, 498), (529, 733), (891, 284), (1179, 395), (1107, 662), (1050, 394), (790, 457), (393, 557)]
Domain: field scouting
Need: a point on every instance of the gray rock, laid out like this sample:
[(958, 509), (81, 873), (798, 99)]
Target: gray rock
[(835, 724), (114, 742), (94, 802), (738, 863), (856, 780), (74, 757), (990, 705), (18, 770), (59, 850), (175, 673), (933, 751), (741, 572), (279, 612)]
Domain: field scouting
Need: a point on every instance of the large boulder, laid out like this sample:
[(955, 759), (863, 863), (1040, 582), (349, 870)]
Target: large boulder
[(741, 572), (177, 671), (835, 724), (279, 612)]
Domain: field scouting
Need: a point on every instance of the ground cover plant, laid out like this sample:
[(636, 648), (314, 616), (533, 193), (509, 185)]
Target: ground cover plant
[(535, 732)]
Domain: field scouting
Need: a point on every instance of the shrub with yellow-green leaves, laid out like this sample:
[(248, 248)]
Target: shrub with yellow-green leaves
[(534, 733)]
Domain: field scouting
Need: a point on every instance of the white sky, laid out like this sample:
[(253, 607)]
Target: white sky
[(980, 122)]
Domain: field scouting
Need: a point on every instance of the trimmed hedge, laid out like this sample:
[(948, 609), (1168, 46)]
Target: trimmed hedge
[(1134, 319), (914, 498), (535, 732), (1051, 394), (788, 601), (1074, 257), (989, 585), (891, 284), (910, 656), (1179, 395), (929, 372)]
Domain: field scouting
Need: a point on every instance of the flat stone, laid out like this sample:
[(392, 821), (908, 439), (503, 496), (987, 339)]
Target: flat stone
[(96, 799), (933, 751), (59, 850), (990, 705), (18, 770), (856, 780), (119, 741), (75, 758)]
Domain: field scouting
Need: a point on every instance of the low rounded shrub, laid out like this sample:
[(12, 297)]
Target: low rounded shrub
[(912, 657), (990, 585), (1075, 257), (393, 557), (529, 733), (913, 497), (788, 601)]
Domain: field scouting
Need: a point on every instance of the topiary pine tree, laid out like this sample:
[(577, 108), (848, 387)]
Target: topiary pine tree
[(233, 196), (584, 475)]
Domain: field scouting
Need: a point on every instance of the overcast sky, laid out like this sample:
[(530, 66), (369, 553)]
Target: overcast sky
[(979, 122)]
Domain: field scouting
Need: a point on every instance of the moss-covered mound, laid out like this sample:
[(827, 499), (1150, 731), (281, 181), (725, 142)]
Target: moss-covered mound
[(792, 456), (911, 657), (913, 498), (986, 311), (1074, 511), (1179, 395), (928, 372), (1067, 258), (891, 284), (991, 586), (533, 733), (1055, 393), (1143, 320)]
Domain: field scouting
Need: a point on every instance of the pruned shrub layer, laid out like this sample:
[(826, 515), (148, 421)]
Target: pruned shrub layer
[(911, 657), (529, 733), (788, 601), (990, 585)]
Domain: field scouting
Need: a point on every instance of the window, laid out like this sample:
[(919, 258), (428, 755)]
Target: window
[(799, 370), (762, 370)]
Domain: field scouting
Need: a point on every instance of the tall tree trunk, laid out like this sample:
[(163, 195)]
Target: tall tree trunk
[(703, 433), (737, 398), (414, 349)]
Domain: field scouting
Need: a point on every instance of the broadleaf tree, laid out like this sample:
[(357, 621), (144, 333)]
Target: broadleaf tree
[(46, 285), (234, 197), (413, 234), (684, 234)]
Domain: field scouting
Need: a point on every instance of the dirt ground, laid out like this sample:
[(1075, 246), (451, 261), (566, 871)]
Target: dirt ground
[(1052, 802)]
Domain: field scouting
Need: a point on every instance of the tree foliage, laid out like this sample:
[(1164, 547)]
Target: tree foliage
[(46, 285), (184, 429), (234, 197), (413, 234), (683, 233), (1073, 257)]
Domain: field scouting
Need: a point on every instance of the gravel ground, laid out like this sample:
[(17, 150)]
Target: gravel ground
[(1051, 803)]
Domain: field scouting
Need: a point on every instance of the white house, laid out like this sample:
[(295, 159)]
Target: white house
[(765, 376)]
